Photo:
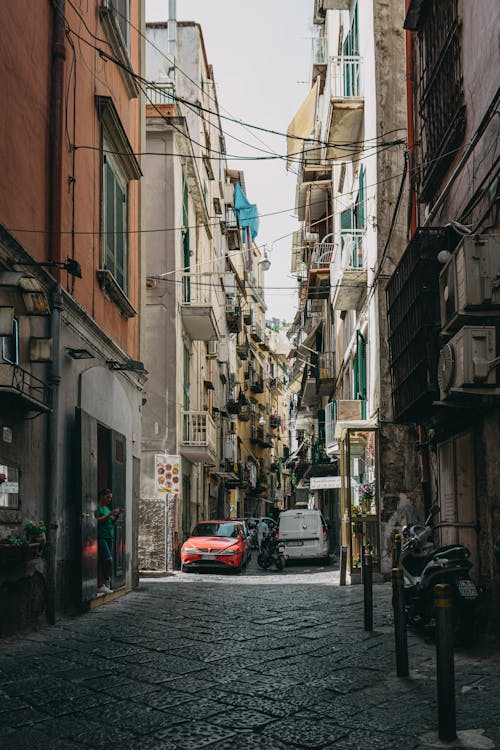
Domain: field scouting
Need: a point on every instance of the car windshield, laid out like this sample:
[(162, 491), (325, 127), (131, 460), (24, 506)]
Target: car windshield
[(216, 529)]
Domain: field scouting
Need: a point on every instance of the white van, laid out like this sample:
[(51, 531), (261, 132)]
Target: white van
[(304, 533)]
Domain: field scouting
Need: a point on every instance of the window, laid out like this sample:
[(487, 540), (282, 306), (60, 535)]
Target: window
[(10, 346), (115, 18), (119, 166), (440, 90), (115, 221), (9, 486)]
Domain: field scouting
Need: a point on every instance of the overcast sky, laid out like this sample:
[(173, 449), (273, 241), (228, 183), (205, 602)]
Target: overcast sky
[(261, 55)]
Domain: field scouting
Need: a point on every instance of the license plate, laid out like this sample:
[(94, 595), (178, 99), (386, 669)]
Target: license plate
[(295, 544), (207, 557), (281, 548), (467, 589)]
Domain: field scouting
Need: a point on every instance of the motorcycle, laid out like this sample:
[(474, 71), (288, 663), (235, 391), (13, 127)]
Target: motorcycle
[(271, 551), (425, 565)]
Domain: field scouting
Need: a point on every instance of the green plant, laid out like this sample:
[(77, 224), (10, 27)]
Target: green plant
[(34, 529)]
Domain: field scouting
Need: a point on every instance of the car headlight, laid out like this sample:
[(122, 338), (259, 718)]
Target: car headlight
[(229, 551), (190, 550)]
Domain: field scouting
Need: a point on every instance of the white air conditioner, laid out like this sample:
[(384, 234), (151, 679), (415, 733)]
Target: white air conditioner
[(469, 284), (466, 362), (212, 347), (223, 352)]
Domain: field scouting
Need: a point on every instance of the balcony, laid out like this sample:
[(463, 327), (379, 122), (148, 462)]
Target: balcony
[(233, 318), (346, 103), (413, 311), (199, 437), (256, 383), (309, 393), (325, 373), (256, 333), (348, 410), (21, 389), (348, 270), (197, 310), (266, 341), (275, 386), (319, 271), (160, 100), (244, 412), (321, 6), (242, 351)]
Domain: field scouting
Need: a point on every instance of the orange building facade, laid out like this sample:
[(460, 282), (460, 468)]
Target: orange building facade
[(70, 296)]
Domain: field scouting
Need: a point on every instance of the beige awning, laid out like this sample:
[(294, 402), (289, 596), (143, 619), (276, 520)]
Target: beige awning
[(302, 125)]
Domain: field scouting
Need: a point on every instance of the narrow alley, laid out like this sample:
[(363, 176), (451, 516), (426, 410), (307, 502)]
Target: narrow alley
[(262, 660)]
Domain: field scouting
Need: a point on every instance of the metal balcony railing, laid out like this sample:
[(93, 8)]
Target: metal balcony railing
[(322, 255), (346, 77), (330, 422), (230, 218), (161, 93), (349, 253), (325, 366), (196, 289), (199, 430)]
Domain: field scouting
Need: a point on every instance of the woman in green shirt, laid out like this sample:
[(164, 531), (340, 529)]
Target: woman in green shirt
[(105, 536)]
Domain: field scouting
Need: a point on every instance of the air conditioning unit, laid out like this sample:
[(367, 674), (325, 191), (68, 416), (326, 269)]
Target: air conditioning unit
[(466, 363), (469, 284), (212, 347), (223, 352)]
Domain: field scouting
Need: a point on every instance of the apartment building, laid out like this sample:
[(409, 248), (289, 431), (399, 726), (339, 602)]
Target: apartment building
[(71, 375), (443, 302), (347, 140), (207, 352)]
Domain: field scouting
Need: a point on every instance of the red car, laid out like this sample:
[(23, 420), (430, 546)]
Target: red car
[(215, 544)]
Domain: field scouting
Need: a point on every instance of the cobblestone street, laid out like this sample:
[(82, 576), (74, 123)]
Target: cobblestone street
[(255, 661)]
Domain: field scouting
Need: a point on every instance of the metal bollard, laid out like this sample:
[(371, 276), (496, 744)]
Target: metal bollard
[(443, 601), (343, 565), (397, 549), (368, 590), (401, 641)]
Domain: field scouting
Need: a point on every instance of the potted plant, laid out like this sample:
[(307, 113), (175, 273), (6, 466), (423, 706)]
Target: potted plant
[(35, 532)]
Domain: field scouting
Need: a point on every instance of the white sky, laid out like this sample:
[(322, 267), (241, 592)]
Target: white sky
[(261, 55)]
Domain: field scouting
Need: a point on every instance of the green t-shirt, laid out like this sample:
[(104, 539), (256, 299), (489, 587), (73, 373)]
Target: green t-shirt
[(105, 529)]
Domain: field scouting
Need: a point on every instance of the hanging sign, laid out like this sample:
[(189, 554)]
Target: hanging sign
[(168, 476)]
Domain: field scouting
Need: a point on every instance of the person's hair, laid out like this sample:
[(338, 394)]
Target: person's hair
[(105, 491)]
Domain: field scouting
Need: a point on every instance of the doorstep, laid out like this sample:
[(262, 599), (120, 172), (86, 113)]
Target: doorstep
[(105, 598)]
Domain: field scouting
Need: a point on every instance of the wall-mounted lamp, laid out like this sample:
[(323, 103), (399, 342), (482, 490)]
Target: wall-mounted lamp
[(262, 421), (70, 265), (265, 262), (130, 365), (78, 353)]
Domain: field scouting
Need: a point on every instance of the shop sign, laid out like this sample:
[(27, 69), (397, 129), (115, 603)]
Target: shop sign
[(325, 483), (168, 474)]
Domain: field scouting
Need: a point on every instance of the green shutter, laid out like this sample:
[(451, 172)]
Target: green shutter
[(362, 199), (359, 371)]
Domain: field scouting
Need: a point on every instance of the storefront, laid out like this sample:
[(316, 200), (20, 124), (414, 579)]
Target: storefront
[(359, 497)]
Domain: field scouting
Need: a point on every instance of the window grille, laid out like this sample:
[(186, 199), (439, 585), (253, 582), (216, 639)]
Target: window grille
[(439, 91)]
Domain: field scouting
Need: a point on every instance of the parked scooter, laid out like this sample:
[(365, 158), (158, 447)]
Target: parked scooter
[(425, 565), (272, 552)]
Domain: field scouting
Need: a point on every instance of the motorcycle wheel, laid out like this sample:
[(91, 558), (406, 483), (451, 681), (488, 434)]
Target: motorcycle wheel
[(280, 563), (262, 561)]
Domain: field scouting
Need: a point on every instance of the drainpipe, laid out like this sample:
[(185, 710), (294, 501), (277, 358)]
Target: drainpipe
[(56, 129), (55, 254), (172, 33), (412, 208)]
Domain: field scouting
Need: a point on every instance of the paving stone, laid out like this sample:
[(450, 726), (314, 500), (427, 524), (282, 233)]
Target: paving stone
[(196, 735)]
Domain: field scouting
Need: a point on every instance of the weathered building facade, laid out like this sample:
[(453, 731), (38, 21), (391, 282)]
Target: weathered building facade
[(70, 271), (205, 301), (352, 460), (443, 302)]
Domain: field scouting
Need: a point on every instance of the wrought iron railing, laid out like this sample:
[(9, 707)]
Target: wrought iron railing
[(322, 255), (25, 384)]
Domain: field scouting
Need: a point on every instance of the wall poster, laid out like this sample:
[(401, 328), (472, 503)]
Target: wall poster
[(168, 474)]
